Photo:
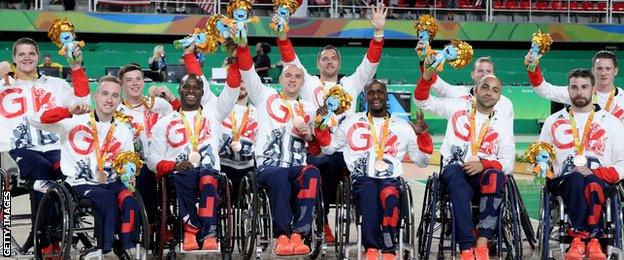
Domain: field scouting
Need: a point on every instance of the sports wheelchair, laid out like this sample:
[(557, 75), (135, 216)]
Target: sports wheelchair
[(438, 223), (255, 229), (169, 224), (555, 224), (71, 221), (348, 214)]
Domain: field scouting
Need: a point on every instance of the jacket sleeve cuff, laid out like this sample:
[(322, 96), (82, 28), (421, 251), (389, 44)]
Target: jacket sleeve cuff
[(536, 77), (374, 51), (80, 82), (286, 50), (233, 76), (425, 143), (175, 104), (54, 115), (608, 174), (164, 167), (314, 147), (323, 137), (192, 65), (243, 56), (421, 92), (491, 164)]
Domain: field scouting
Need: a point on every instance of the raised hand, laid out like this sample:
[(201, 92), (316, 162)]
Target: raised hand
[(378, 18), (190, 49), (79, 109), (420, 126)]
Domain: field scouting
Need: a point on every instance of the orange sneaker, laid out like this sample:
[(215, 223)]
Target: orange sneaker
[(467, 254), (299, 248), (329, 237), (283, 246), (482, 253), (190, 238), (388, 256), (210, 244), (576, 251), (594, 250), (52, 248), (372, 254)]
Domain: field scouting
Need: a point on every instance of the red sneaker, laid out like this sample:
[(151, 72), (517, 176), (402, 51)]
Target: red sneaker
[(190, 238), (482, 253), (299, 248), (372, 254), (594, 250), (467, 254), (388, 256), (329, 237), (210, 244), (576, 251), (283, 246)]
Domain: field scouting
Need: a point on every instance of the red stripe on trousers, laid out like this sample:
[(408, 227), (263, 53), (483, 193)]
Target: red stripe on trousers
[(589, 189)]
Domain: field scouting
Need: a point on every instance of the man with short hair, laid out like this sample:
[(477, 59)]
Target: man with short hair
[(328, 62), (90, 142), (48, 63), (478, 150), (604, 69), (283, 132), (589, 158)]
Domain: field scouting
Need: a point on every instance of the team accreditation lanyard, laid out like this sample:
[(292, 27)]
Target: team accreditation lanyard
[(579, 144), (101, 152), (610, 100), (474, 142), (379, 143), (236, 130), (194, 157)]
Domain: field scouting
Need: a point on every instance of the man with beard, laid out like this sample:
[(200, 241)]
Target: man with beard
[(481, 171), (186, 144), (328, 62), (604, 68), (375, 183), (284, 130), (589, 157)]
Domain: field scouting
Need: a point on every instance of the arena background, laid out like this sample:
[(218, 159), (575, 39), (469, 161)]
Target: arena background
[(502, 32)]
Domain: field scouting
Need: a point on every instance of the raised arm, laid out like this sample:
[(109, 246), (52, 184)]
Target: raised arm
[(192, 67), (546, 90), (419, 145), (440, 106), (78, 93), (54, 120), (228, 96), (249, 76)]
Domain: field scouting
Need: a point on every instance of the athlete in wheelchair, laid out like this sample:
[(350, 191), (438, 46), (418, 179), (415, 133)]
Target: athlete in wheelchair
[(91, 141), (374, 144), (589, 162), (184, 149), (479, 151)]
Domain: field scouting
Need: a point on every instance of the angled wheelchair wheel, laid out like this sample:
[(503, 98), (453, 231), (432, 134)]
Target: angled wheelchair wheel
[(428, 217), (225, 218), (545, 228), (143, 235), (511, 225), (525, 220), (343, 217), (54, 221), (247, 208), (407, 219), (317, 235)]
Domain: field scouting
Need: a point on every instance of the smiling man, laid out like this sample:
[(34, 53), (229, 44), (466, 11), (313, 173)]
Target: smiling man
[(478, 150), (374, 144), (186, 143), (588, 159)]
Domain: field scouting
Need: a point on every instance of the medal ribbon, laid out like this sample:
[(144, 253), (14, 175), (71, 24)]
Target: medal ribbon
[(610, 100), (101, 152), (579, 145), (379, 144), (147, 102), (475, 144), (194, 136), (236, 134), (299, 108)]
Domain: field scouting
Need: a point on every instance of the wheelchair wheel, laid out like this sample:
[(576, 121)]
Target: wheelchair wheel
[(143, 236), (316, 233), (407, 216), (343, 217), (55, 221), (525, 220), (428, 219), (511, 225), (247, 209), (226, 219), (545, 228)]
